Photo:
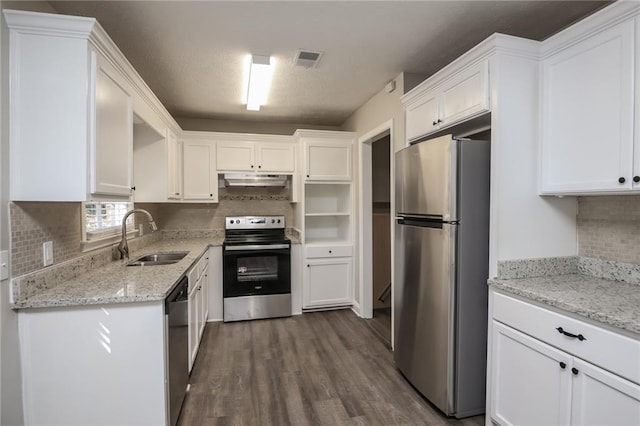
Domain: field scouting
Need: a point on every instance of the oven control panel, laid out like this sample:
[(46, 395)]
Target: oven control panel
[(254, 222)]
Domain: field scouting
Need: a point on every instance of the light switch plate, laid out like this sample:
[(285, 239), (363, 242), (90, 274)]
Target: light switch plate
[(47, 253), (4, 264)]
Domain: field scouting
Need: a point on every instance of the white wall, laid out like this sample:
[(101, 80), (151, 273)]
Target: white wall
[(10, 377), (379, 109)]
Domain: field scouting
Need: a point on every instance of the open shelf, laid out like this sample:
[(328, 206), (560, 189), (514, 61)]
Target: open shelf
[(327, 229), (334, 198)]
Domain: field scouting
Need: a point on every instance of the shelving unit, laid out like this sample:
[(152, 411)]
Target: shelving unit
[(328, 213)]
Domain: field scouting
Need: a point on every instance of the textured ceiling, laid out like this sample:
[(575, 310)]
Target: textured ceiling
[(192, 53)]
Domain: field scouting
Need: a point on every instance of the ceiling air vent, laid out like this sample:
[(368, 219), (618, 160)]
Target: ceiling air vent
[(307, 58)]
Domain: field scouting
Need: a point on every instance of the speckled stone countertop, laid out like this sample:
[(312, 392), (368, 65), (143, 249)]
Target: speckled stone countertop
[(607, 301), (118, 283)]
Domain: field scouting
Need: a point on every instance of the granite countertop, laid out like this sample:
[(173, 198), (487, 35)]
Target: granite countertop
[(117, 283), (615, 303)]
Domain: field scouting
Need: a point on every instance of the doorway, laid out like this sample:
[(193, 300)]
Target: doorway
[(381, 235), (376, 231)]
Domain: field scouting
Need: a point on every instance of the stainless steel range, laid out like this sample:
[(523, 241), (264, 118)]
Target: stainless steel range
[(256, 268)]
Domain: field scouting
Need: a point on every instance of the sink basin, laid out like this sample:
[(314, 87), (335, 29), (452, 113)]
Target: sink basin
[(158, 259)]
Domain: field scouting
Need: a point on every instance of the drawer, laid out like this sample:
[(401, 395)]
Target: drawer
[(203, 263), (612, 351), (193, 275), (329, 251)]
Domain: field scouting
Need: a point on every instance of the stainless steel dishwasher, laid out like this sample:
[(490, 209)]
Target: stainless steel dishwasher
[(177, 319)]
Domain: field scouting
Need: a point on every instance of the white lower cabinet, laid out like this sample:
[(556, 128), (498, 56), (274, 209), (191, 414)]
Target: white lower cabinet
[(197, 304), (327, 280), (94, 365), (529, 384), (532, 382)]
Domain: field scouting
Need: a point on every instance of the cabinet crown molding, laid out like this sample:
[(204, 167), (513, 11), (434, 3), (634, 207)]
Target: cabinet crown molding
[(496, 43), (49, 23)]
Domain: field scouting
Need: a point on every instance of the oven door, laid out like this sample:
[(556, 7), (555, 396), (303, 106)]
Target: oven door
[(256, 270)]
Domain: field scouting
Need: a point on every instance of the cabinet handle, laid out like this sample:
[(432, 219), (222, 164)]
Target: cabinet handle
[(434, 123), (133, 188), (622, 180), (573, 336), (329, 251), (307, 265), (563, 365), (575, 371), (636, 179), (252, 166), (307, 175), (259, 167), (210, 195), (439, 121)]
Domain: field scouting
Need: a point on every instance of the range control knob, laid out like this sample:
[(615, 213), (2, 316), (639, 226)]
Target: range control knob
[(273, 221), (237, 220), (278, 220)]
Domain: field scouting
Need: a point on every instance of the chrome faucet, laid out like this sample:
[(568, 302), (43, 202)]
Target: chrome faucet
[(123, 247)]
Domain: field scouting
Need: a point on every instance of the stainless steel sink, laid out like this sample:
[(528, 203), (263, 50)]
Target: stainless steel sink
[(159, 259)]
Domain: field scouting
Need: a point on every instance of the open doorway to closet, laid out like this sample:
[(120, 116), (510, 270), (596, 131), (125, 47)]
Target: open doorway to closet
[(381, 235)]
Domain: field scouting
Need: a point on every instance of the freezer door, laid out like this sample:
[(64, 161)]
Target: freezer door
[(426, 179), (424, 294)]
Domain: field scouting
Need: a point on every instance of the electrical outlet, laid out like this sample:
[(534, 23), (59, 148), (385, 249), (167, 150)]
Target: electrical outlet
[(47, 253), (4, 264)]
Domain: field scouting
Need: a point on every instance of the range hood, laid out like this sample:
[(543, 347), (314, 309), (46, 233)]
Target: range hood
[(251, 179)]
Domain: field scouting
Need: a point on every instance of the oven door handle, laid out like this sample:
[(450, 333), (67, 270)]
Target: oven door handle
[(257, 247)]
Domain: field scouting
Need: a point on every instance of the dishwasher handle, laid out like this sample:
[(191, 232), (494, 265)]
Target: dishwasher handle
[(178, 294)]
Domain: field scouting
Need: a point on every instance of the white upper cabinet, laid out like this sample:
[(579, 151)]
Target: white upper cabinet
[(259, 156), (112, 130), (71, 128), (236, 156), (588, 115), (174, 167), (200, 178), (276, 157), (436, 105), (327, 155)]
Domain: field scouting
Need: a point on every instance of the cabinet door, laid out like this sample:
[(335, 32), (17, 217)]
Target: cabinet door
[(529, 385), (587, 121), (602, 398), (174, 167), (422, 117), (200, 178), (193, 324), (236, 157), (204, 300), (274, 157), (328, 160), (112, 131), (465, 95), (327, 282)]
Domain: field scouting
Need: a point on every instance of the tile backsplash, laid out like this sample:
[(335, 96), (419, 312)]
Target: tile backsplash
[(609, 228), (232, 202), (33, 223)]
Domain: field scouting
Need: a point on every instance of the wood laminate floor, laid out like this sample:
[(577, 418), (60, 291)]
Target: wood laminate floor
[(381, 324), (323, 368)]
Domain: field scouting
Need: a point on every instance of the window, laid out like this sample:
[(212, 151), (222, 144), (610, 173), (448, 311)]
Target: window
[(103, 220)]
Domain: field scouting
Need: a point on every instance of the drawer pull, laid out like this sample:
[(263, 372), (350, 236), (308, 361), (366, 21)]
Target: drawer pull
[(574, 336), (574, 371), (563, 365)]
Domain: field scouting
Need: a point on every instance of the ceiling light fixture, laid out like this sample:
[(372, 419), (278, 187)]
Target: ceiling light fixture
[(260, 73)]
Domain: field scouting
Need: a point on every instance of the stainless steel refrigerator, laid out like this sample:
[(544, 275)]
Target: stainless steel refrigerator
[(441, 270)]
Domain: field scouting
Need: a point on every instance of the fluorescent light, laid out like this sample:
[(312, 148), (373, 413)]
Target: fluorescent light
[(260, 74)]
